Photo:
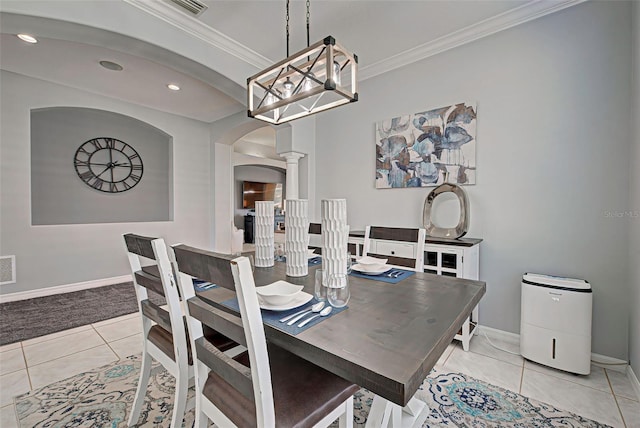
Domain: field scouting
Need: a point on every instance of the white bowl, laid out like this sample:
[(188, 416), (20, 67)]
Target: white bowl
[(367, 260), (279, 292)]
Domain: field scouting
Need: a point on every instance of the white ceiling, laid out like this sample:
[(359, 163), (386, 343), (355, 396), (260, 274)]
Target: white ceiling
[(374, 30), (142, 82)]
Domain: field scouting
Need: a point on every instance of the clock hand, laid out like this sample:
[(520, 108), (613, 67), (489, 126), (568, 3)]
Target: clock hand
[(103, 171)]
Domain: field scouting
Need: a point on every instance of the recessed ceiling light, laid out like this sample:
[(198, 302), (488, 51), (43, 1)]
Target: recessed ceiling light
[(173, 87), (111, 65), (27, 38)]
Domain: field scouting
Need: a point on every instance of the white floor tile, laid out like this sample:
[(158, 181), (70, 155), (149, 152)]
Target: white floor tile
[(630, 412), (120, 329), (55, 335), (480, 345), (621, 385), (484, 368), (10, 346), (13, 384), (8, 417), (62, 368), (128, 346), (11, 361), (41, 352), (117, 319), (571, 396), (596, 379)]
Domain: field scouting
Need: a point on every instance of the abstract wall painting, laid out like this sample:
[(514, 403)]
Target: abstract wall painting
[(422, 149)]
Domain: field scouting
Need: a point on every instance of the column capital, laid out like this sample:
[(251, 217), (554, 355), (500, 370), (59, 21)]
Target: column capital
[(292, 157)]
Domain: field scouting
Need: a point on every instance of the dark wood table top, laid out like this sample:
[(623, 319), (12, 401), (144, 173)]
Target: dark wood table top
[(390, 336)]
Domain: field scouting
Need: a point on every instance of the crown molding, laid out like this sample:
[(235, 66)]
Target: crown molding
[(495, 24), (196, 28), (487, 27)]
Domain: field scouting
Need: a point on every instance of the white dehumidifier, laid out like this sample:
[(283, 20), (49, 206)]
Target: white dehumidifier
[(555, 323)]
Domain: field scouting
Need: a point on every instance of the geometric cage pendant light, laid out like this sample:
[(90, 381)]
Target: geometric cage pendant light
[(320, 77)]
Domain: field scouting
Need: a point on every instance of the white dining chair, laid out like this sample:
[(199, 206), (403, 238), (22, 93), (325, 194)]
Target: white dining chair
[(266, 387), (403, 247), (163, 331)]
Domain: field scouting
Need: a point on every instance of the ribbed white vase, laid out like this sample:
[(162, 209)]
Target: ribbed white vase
[(296, 236), (335, 233), (263, 233)]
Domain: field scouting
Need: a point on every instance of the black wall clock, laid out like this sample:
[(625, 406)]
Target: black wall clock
[(108, 165)]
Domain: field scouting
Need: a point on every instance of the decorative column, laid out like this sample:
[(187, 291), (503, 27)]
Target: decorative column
[(293, 177)]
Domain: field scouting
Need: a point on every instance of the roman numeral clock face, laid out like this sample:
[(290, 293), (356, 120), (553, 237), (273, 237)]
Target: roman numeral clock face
[(108, 165)]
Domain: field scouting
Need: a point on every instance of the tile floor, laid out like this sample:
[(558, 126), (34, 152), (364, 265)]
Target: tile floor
[(605, 395)]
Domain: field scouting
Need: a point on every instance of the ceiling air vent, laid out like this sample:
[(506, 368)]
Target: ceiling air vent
[(192, 6)]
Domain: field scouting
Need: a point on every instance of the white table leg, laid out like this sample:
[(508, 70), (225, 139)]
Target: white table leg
[(385, 414), (466, 336)]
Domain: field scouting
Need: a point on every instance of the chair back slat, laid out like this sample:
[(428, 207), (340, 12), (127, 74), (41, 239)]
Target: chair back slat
[(140, 245), (227, 368), (205, 265), (157, 314), (394, 234), (149, 282), (397, 261), (223, 322)]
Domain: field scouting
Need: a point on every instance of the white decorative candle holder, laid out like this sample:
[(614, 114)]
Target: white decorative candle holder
[(296, 236), (263, 233), (335, 233)]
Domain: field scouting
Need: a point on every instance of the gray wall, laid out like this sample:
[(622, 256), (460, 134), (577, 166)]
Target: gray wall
[(634, 253), (59, 196), (260, 174), (58, 255), (553, 136)]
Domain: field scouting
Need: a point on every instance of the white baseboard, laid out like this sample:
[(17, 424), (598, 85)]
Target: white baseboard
[(610, 363), (500, 333), (50, 291), (634, 381)]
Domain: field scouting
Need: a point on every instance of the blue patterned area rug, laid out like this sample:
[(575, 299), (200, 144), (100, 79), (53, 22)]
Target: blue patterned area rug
[(103, 397)]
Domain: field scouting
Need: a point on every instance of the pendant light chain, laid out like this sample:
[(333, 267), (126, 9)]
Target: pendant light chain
[(287, 16), (308, 16)]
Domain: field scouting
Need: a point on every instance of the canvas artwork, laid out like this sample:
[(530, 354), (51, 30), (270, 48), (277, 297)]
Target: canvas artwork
[(420, 149)]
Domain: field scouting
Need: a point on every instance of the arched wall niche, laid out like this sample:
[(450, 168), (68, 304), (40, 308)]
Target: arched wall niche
[(60, 196)]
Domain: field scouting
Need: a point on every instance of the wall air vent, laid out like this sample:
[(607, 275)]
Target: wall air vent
[(7, 270), (194, 7)]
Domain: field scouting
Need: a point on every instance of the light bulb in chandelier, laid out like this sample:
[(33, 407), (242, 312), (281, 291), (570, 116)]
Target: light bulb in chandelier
[(308, 82), (287, 88), (336, 73), (269, 99)]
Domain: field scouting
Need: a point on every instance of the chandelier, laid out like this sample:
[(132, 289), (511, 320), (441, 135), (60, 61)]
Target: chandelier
[(320, 77)]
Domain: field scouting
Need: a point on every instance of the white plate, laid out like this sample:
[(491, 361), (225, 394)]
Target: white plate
[(367, 260), (313, 256), (371, 269), (301, 298)]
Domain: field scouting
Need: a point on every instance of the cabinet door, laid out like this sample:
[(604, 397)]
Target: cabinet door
[(441, 260)]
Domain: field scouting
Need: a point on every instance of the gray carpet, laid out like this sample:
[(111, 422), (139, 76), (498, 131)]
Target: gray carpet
[(26, 319)]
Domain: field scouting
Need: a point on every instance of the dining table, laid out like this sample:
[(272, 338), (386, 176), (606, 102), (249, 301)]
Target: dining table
[(387, 340)]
